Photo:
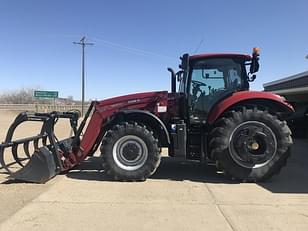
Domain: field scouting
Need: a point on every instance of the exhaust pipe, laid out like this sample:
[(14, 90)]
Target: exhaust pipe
[(173, 80)]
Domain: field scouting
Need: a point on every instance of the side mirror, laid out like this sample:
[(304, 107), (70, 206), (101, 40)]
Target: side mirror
[(254, 66), (185, 62)]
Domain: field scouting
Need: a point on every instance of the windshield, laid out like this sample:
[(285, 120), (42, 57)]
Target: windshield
[(212, 79), (217, 74)]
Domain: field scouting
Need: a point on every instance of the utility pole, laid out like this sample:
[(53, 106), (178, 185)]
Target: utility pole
[(83, 44)]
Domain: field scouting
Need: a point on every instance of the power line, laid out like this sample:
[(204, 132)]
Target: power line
[(131, 49), (83, 44)]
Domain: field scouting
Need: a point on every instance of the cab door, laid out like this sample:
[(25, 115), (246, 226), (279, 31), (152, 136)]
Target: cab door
[(211, 80)]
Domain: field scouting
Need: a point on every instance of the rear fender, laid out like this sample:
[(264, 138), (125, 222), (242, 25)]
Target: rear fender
[(264, 99)]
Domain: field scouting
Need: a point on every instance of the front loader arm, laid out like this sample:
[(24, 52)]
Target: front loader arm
[(55, 157), (90, 139), (106, 109)]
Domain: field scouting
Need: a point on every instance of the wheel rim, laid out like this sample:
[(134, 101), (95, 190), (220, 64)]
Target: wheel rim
[(130, 152), (252, 144)]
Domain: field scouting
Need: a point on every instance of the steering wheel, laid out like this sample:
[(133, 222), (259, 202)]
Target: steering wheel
[(196, 89), (197, 83)]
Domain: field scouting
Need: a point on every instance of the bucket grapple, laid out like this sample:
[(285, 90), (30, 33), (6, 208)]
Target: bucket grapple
[(46, 158)]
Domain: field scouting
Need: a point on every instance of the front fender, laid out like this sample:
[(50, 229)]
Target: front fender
[(245, 97), (149, 118)]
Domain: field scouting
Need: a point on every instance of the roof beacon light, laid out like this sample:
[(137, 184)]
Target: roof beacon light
[(256, 51)]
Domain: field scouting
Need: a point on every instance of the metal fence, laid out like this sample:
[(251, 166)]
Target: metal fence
[(39, 107)]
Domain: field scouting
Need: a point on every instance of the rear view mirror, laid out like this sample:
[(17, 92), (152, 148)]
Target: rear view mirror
[(254, 66), (185, 62)]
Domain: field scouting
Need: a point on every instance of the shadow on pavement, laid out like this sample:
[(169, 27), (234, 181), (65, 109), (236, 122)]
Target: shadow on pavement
[(177, 170), (169, 169), (294, 177)]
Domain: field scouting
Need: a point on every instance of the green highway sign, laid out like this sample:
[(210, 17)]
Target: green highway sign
[(46, 94)]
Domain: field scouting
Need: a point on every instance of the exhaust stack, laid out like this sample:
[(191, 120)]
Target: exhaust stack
[(173, 80)]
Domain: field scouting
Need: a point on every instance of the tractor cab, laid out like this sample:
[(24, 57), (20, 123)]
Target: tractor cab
[(205, 80)]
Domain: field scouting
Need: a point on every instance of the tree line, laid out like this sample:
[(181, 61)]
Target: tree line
[(26, 96)]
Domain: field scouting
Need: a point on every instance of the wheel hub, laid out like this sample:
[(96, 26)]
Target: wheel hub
[(130, 152), (252, 144)]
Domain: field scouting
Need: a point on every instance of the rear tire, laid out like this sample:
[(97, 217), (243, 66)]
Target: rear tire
[(130, 152), (250, 145)]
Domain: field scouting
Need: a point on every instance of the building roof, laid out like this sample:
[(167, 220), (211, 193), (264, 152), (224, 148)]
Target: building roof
[(294, 88), (287, 79)]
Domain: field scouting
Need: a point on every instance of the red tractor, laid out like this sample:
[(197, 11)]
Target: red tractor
[(212, 117)]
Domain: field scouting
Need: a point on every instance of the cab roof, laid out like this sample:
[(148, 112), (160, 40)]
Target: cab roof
[(220, 55)]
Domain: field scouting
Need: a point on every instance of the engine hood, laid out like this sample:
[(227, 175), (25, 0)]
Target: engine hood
[(151, 101)]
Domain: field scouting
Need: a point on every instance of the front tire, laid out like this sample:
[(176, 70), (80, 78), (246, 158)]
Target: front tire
[(130, 152), (250, 145)]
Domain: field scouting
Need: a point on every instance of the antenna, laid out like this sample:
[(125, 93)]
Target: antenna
[(199, 45)]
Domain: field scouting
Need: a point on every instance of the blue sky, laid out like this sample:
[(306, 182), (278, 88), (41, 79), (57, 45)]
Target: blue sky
[(135, 41)]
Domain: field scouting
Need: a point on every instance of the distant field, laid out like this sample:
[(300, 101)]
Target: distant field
[(38, 107)]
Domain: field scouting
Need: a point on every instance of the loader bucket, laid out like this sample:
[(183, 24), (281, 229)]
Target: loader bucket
[(40, 168), (48, 156)]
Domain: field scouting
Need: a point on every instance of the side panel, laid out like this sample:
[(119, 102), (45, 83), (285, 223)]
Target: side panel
[(238, 97)]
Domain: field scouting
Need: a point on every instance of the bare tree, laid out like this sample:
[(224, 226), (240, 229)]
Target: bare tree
[(22, 96), (26, 96)]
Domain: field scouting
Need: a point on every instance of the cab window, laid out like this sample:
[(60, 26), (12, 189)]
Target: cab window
[(211, 79)]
